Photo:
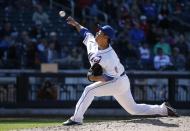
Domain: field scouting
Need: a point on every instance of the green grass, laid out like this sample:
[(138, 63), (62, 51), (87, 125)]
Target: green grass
[(7, 124)]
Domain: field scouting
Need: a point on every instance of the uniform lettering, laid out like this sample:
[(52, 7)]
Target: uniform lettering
[(96, 59), (89, 55)]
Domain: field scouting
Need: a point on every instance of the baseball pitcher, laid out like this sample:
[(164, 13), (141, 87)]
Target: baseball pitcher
[(109, 77)]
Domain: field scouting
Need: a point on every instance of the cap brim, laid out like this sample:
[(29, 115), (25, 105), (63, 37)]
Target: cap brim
[(100, 28)]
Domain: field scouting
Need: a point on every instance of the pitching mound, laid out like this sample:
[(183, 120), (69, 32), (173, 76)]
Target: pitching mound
[(131, 124)]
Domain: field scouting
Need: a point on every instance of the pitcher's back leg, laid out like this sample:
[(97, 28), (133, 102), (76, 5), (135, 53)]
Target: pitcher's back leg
[(126, 100)]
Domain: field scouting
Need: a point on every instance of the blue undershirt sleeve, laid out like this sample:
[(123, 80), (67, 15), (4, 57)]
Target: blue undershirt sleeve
[(83, 32)]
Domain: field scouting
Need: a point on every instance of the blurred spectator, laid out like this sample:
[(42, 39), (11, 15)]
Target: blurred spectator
[(132, 57), (8, 6), (152, 35), (57, 45), (123, 15), (136, 35), (121, 48), (12, 57), (32, 58), (42, 50), (39, 16), (149, 9), (178, 6), (161, 61), (65, 51), (144, 25), (10, 51), (178, 60), (165, 8), (165, 47), (37, 31), (72, 59), (75, 58), (122, 7), (108, 6), (145, 56), (93, 10), (169, 35), (163, 22), (135, 11), (22, 43), (182, 45), (6, 30), (123, 35), (48, 91), (5, 43), (51, 53), (80, 6), (124, 22), (136, 21), (24, 38)]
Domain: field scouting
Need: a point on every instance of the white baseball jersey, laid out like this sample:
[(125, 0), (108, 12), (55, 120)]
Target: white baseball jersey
[(118, 86), (107, 58)]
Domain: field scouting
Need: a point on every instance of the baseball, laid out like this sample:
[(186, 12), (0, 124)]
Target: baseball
[(62, 13)]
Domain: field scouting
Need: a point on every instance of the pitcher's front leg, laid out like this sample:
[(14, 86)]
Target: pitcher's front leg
[(95, 89)]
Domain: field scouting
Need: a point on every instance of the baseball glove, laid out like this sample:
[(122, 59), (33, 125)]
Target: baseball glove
[(95, 70)]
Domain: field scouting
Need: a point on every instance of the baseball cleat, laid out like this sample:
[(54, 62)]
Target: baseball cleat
[(69, 122), (171, 111)]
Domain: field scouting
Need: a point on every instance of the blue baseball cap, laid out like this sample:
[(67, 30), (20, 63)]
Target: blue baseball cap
[(108, 30)]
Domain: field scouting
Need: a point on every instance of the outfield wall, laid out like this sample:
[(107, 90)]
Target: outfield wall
[(20, 90)]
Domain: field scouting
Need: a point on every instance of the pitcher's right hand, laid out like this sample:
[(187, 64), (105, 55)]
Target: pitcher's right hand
[(71, 21)]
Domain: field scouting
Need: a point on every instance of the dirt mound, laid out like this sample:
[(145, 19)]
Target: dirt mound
[(133, 124)]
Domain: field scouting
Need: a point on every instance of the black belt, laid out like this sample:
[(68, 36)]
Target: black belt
[(122, 74)]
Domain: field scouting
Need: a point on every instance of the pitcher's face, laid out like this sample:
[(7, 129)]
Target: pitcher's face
[(101, 38)]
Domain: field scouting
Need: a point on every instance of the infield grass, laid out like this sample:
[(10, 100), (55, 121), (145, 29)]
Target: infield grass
[(7, 124)]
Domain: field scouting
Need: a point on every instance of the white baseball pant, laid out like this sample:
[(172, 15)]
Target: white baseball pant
[(119, 88)]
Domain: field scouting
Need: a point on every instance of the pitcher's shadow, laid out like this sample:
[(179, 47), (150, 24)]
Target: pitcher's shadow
[(154, 121)]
